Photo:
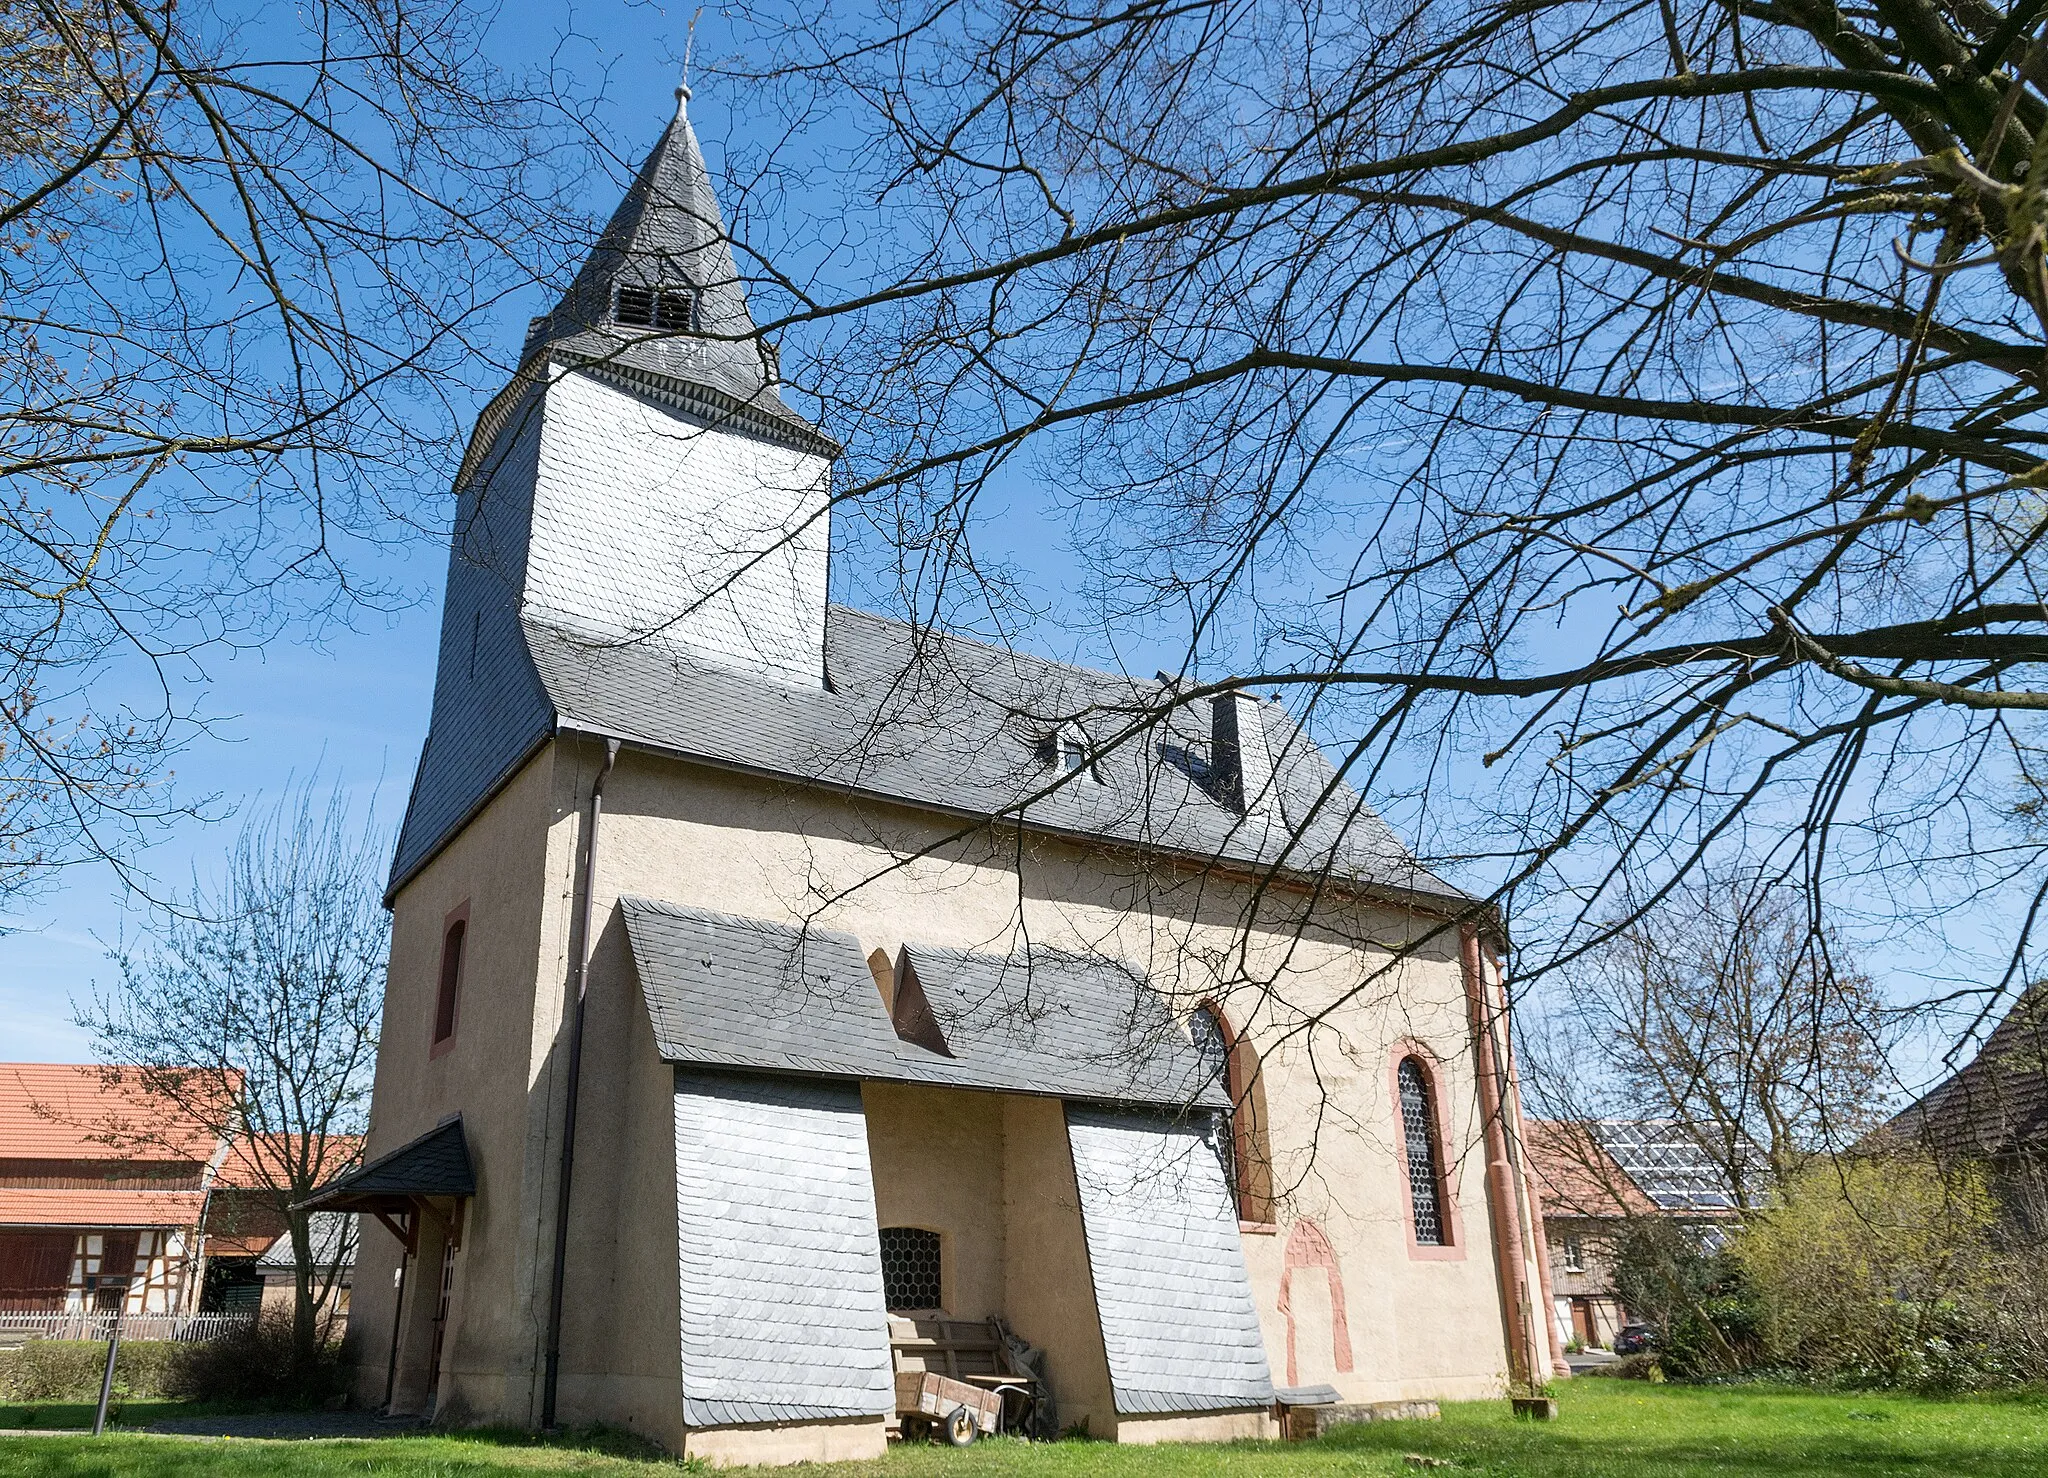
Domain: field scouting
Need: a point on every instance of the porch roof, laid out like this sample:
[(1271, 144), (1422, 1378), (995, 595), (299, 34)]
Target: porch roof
[(726, 991), (434, 1164)]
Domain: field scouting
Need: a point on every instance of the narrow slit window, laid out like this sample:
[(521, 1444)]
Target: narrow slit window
[(451, 981), (1425, 1161), (910, 1269)]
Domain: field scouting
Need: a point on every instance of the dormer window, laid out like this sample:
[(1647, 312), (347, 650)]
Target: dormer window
[(1069, 753), (665, 310)]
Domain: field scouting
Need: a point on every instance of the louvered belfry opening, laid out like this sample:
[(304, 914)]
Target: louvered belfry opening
[(910, 1269), (667, 310), (1418, 1127)]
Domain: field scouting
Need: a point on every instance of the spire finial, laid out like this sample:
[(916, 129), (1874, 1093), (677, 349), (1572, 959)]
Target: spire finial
[(689, 50)]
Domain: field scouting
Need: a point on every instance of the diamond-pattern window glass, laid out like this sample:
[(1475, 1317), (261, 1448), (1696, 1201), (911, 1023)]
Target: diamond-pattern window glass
[(1213, 1049), (910, 1268), (1418, 1128)]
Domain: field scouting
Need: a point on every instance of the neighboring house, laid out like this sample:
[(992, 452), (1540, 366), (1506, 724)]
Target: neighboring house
[(1995, 1110), (246, 1241), (1593, 1179), (333, 1238), (101, 1194), (862, 986), (110, 1197)]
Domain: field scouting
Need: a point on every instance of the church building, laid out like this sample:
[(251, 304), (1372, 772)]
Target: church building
[(786, 1001)]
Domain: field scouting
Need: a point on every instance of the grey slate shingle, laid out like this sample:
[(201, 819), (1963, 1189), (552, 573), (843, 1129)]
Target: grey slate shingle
[(433, 1164), (1178, 1321), (939, 720), (778, 1253), (668, 232), (910, 715), (745, 993)]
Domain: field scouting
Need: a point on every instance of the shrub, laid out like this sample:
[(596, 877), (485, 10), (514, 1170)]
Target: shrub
[(70, 1370), (1893, 1270), (256, 1363), (1696, 1296)]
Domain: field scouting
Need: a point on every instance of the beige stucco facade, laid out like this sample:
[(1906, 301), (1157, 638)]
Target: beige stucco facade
[(1345, 1297)]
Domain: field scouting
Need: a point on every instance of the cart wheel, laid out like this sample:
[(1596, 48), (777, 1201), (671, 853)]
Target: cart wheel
[(962, 1428)]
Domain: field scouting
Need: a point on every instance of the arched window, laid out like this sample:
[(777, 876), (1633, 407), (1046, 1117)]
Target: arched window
[(1425, 1158), (1240, 1132), (910, 1269), (446, 997)]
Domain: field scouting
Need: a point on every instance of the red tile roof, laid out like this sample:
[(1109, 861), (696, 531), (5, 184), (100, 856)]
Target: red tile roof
[(75, 1208), (63, 1111), (1577, 1177), (250, 1165)]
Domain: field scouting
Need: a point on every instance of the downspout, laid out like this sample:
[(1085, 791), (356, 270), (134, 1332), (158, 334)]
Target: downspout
[(1509, 1261), (553, 1369)]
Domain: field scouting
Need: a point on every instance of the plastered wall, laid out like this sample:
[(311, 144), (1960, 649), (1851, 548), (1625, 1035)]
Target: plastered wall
[(496, 1074), (1317, 996)]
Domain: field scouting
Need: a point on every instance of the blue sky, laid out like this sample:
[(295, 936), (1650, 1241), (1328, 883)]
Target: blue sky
[(354, 702)]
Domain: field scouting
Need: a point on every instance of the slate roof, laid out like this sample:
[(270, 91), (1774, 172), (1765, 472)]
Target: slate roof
[(1178, 1321), (734, 992), (668, 232), (778, 1253), (940, 721), (1996, 1104), (906, 714), (434, 1164)]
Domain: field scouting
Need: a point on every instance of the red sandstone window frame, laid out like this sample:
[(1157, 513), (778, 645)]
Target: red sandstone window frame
[(1452, 1248), (1251, 1150), (446, 1022)]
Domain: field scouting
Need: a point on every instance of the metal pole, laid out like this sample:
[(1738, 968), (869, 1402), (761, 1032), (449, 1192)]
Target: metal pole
[(99, 1419), (552, 1363)]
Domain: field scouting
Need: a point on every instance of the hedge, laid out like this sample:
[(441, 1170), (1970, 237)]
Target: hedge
[(70, 1369)]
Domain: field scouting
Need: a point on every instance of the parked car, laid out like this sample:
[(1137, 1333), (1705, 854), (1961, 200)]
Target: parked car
[(1635, 1339)]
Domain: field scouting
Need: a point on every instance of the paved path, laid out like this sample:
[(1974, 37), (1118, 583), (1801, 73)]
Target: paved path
[(291, 1425)]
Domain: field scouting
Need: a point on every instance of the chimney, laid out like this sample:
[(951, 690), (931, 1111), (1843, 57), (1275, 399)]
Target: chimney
[(1240, 766)]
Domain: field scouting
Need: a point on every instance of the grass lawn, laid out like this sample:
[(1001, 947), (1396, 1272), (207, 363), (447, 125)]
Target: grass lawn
[(1608, 1429)]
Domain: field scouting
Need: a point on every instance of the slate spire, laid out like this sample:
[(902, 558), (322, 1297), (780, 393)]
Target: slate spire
[(661, 294)]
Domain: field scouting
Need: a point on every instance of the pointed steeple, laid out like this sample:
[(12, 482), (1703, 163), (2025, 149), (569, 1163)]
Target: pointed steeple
[(660, 293)]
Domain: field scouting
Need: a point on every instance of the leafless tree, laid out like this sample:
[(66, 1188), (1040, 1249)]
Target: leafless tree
[(1626, 417), (1725, 1010), (253, 1009), (244, 255)]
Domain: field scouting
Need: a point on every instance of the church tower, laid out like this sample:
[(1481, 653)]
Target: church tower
[(640, 482)]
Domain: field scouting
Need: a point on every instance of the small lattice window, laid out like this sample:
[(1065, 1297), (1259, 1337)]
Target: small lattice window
[(910, 1268), (1418, 1128)]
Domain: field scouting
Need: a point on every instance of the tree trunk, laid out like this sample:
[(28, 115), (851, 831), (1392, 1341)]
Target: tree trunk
[(305, 1323)]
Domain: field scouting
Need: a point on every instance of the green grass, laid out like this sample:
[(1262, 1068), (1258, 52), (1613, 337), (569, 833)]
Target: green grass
[(1608, 1429)]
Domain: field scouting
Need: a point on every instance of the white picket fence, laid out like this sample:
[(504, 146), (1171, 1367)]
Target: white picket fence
[(81, 1325)]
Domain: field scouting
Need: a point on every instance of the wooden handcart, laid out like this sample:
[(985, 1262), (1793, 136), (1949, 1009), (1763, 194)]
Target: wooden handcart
[(955, 1379)]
